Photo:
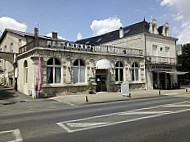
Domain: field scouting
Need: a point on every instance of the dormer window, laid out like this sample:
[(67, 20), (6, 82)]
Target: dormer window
[(99, 39), (153, 27), (166, 31)]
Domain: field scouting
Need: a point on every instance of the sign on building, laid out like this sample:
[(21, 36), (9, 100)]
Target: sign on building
[(125, 89)]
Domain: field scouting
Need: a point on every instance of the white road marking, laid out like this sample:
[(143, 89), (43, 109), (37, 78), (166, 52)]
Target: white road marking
[(16, 133), (178, 105), (86, 124), (148, 112), (83, 124)]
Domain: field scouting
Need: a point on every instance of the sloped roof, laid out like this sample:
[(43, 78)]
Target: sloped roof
[(137, 28), (23, 34)]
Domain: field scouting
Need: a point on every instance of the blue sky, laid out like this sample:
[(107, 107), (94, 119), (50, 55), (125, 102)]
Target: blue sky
[(92, 17)]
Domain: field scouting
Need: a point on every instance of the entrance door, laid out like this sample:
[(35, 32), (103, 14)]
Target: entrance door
[(101, 83), (162, 81), (101, 75)]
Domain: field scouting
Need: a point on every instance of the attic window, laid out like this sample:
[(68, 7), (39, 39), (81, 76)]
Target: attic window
[(87, 42), (99, 39), (166, 31), (111, 35), (126, 31)]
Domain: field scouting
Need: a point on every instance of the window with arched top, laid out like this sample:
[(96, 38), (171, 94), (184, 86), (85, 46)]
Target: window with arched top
[(78, 71), (119, 71), (25, 71), (135, 72), (53, 71)]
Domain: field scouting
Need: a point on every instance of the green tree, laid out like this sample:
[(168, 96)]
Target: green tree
[(184, 63)]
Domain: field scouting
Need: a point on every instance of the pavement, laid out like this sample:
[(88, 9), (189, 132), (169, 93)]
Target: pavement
[(16, 102), (102, 97), (12, 102)]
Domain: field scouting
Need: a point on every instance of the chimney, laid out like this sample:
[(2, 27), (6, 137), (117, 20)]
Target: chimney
[(35, 32), (121, 34), (36, 40), (54, 35)]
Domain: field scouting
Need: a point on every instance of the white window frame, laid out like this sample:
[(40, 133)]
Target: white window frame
[(54, 66), (79, 71), (133, 72), (119, 73)]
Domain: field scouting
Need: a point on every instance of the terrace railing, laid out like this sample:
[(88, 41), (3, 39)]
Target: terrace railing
[(161, 60), (82, 47)]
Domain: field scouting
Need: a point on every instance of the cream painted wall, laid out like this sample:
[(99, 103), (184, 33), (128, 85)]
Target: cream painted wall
[(10, 43), (161, 43), (28, 87)]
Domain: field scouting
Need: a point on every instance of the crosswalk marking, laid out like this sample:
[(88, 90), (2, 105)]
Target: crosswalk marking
[(16, 133), (123, 117)]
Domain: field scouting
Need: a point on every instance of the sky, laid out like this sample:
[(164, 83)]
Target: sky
[(77, 19)]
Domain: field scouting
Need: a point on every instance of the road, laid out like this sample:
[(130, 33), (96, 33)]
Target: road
[(160, 119)]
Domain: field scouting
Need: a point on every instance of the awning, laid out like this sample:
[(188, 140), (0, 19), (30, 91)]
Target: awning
[(176, 72), (170, 72), (103, 64)]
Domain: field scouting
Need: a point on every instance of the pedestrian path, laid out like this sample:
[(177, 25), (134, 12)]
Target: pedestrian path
[(101, 97)]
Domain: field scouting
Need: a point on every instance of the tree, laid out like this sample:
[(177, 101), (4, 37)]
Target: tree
[(184, 64)]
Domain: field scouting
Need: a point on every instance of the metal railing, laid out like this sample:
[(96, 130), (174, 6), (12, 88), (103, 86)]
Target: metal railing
[(161, 60), (27, 47), (81, 47)]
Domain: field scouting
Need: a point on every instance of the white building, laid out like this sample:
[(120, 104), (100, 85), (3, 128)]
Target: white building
[(142, 54)]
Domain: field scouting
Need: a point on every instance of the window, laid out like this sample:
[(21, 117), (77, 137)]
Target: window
[(11, 47), (135, 72), (166, 31), (25, 71), (154, 50), (161, 48), (153, 29), (78, 71), (119, 71), (87, 42), (98, 40), (167, 51), (5, 48), (127, 31), (20, 42), (53, 71)]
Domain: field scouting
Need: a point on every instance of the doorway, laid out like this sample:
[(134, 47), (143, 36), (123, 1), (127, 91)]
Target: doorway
[(101, 79)]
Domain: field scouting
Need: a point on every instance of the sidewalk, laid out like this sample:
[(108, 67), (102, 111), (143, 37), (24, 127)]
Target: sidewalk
[(82, 99)]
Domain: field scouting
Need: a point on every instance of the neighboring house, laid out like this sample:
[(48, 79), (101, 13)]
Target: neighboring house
[(10, 42), (158, 46)]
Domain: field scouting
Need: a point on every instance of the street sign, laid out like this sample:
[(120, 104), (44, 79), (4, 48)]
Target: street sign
[(125, 89)]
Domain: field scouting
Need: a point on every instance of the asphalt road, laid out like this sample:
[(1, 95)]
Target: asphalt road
[(160, 119)]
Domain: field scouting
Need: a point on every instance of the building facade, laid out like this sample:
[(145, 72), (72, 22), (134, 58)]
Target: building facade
[(142, 54), (159, 50)]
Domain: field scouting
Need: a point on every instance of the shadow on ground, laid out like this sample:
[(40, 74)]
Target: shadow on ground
[(6, 94)]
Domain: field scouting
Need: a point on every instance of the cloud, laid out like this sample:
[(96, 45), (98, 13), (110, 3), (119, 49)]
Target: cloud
[(184, 35), (99, 27), (79, 36), (59, 37), (182, 7), (7, 22)]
